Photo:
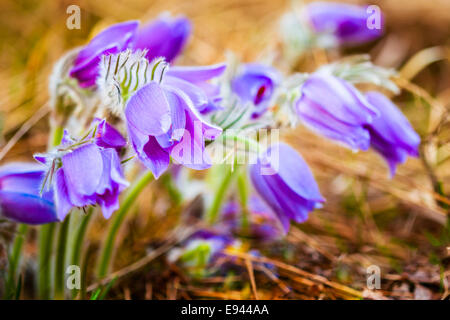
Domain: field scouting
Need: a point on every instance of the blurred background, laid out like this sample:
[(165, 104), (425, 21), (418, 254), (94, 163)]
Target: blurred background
[(400, 225)]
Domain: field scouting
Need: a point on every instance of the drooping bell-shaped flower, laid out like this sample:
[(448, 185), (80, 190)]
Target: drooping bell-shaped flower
[(284, 181), (391, 135), (262, 223), (113, 39), (349, 24), (87, 172), (20, 198), (164, 122), (163, 37), (336, 109), (256, 83)]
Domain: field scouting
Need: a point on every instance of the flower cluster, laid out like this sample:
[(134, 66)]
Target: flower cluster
[(165, 114)]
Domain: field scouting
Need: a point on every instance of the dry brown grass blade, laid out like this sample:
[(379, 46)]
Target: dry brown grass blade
[(322, 280), (38, 115), (251, 275)]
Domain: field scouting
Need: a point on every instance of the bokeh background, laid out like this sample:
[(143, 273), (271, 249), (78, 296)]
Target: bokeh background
[(400, 225)]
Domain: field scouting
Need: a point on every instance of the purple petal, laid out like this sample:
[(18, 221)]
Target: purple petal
[(148, 110), (152, 155), (83, 169), (392, 125), (111, 40), (22, 177), (197, 74), (26, 208), (336, 109), (195, 93), (290, 190), (112, 176), (107, 136), (62, 200), (255, 83), (155, 158), (268, 195), (391, 134), (164, 37), (339, 98), (300, 180), (347, 22), (190, 151)]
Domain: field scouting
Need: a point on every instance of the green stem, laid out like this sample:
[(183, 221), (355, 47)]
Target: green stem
[(45, 255), (79, 240), (130, 198), (46, 233), (79, 237), (174, 193), (243, 195), (213, 212), (60, 258), (14, 260)]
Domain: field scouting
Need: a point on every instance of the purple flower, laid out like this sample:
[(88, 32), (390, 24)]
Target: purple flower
[(336, 109), (193, 81), (113, 39), (163, 120), (284, 181), (87, 173), (263, 222), (164, 37), (349, 24), (391, 134), (256, 84), (20, 198), (107, 136)]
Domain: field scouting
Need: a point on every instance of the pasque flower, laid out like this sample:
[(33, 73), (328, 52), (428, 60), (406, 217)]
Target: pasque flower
[(163, 37), (20, 198), (349, 24), (164, 122), (263, 223), (336, 109), (256, 83), (391, 135), (114, 39), (87, 172), (283, 180)]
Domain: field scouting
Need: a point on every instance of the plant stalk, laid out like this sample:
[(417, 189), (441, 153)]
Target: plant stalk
[(128, 201)]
